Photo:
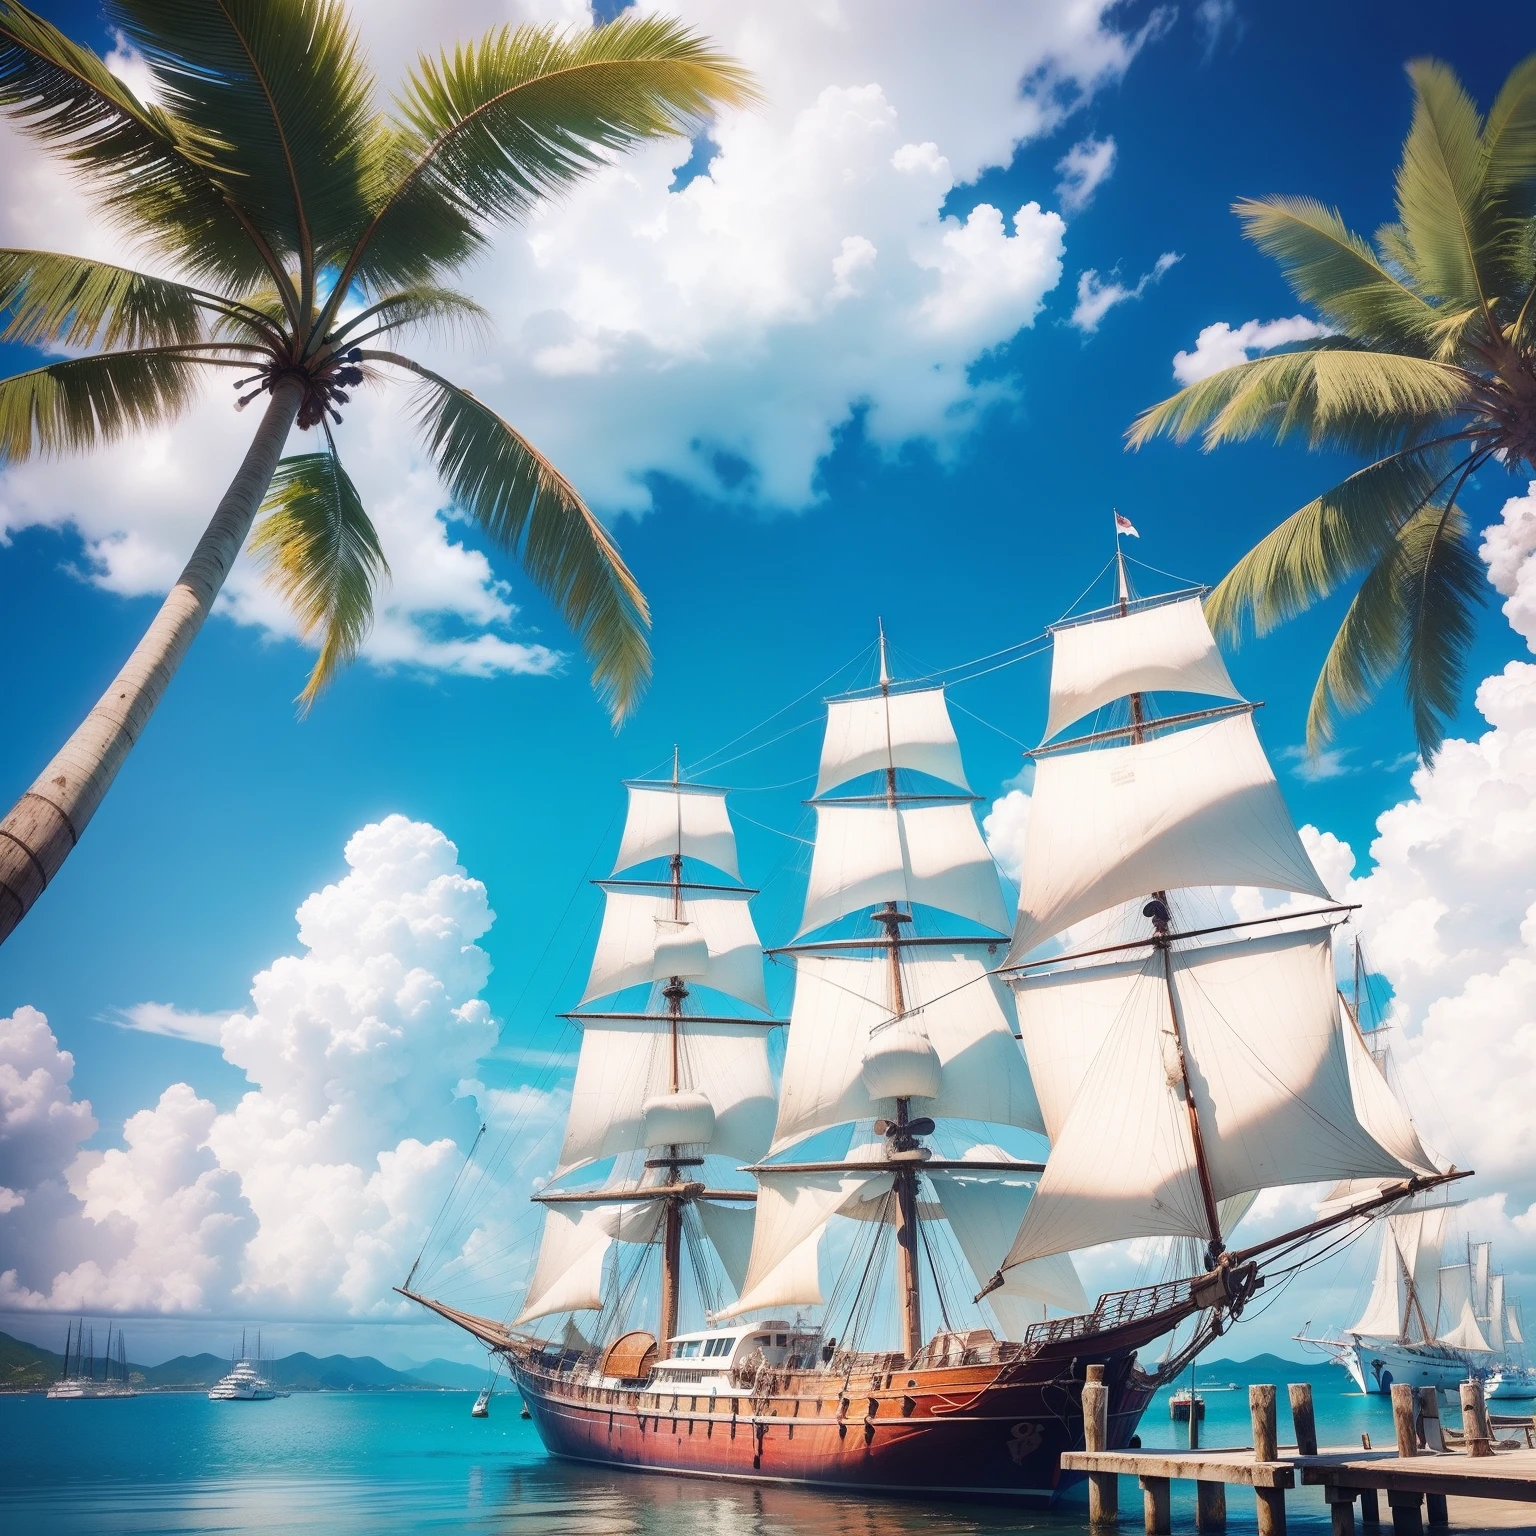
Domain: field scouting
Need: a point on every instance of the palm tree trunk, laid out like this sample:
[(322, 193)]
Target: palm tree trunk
[(45, 824)]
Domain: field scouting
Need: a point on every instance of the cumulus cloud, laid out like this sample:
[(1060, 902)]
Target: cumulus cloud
[(1219, 346), (1096, 295), (314, 1192), (736, 320), (1005, 828), (1083, 169), (41, 1125)]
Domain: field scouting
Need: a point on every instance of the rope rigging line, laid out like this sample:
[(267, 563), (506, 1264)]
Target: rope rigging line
[(699, 765)]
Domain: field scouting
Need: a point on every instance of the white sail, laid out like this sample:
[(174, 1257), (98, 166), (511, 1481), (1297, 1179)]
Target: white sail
[(1379, 1109), (568, 1274), (1495, 1329), (665, 819), (792, 1211), (626, 1063), (1168, 647), (1512, 1325), (1457, 1324), (965, 1014), (1481, 1258), (1064, 1018), (640, 941), (1383, 1315), (905, 730), (984, 1210), (932, 854), (1191, 808), (1271, 1085), (729, 1230)]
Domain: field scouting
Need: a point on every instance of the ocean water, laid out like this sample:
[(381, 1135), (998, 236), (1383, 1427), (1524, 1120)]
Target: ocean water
[(382, 1463)]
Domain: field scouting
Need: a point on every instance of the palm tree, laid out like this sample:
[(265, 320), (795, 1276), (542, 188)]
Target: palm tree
[(307, 230), (1430, 373)]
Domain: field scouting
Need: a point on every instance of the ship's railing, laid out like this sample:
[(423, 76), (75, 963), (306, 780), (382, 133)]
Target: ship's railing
[(1115, 1309)]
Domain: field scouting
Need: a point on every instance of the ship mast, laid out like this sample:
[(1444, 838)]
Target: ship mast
[(904, 1180), (1158, 910), (674, 992)]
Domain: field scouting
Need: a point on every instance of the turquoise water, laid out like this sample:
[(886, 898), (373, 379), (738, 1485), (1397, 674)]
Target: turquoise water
[(381, 1463)]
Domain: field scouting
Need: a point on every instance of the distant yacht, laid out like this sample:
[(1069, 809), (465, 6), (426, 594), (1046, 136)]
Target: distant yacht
[(79, 1379), (245, 1382)]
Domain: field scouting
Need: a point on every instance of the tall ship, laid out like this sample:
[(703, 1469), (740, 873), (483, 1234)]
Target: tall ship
[(1438, 1312), (860, 1275), (79, 1379), (1433, 1323)]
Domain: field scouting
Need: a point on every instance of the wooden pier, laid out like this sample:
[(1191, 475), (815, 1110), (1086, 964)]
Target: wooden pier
[(1417, 1474)]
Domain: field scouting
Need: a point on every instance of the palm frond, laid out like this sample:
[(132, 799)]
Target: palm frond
[(1509, 139), (53, 300), (533, 512), (1365, 652), (88, 401), (1333, 270), (281, 91), (522, 115), (1323, 544), (443, 311), (148, 172), (1448, 223), (1330, 390), (1443, 583), (319, 550)]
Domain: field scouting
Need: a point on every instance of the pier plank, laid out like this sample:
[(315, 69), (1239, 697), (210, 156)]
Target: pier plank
[(1210, 1466)]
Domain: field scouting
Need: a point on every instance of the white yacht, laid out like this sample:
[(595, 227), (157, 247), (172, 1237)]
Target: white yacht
[(245, 1382)]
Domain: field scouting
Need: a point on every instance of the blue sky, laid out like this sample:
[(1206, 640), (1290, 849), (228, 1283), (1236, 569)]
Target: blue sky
[(231, 810)]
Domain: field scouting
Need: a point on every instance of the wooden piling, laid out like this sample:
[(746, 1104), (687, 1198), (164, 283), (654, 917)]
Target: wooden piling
[(1402, 1421), (1341, 1509), (1210, 1506), (1156, 1506), (1435, 1510), (1370, 1508), (1474, 1419), (1271, 1510), (1103, 1487), (1407, 1513), (1270, 1502), (1261, 1409), (1431, 1437), (1303, 1418)]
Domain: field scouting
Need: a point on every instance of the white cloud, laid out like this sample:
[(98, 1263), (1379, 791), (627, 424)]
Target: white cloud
[(164, 1019), (1096, 295), (1314, 767), (41, 1126), (1219, 346), (808, 273), (1213, 18), (1005, 828), (313, 1193), (1083, 169)]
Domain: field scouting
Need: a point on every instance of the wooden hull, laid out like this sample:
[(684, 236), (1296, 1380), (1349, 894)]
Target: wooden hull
[(990, 1430)]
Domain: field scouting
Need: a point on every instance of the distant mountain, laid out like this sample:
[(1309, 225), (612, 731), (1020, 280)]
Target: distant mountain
[(1260, 1368), (25, 1367), (449, 1373)]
